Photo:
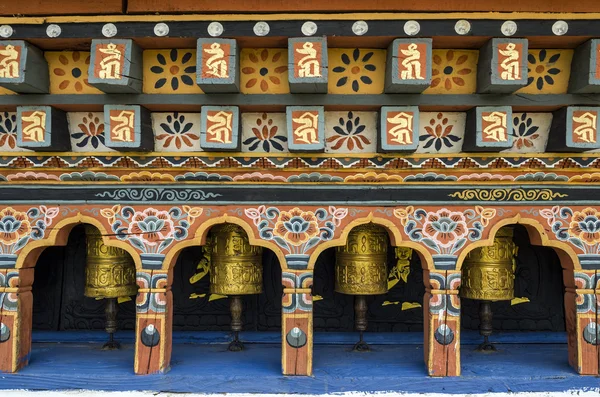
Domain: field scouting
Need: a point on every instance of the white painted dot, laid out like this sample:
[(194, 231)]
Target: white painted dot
[(309, 28), (509, 28), (215, 29), (560, 28), (53, 30), (161, 29), (462, 27), (6, 31), (109, 30), (261, 28), (412, 28), (360, 27)]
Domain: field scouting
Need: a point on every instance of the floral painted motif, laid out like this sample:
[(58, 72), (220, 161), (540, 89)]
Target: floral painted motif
[(444, 231), (530, 132), (264, 71), (453, 72), (17, 228), (8, 130), (580, 228), (356, 71), (87, 131), (176, 131), (439, 134), (69, 72), (548, 71), (170, 72), (296, 231), (349, 133), (267, 132), (151, 230)]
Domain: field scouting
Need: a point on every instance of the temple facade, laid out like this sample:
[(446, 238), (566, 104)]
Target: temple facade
[(216, 162)]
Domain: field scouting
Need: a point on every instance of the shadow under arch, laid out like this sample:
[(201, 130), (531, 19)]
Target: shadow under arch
[(537, 236), (202, 232), (59, 235), (393, 232)]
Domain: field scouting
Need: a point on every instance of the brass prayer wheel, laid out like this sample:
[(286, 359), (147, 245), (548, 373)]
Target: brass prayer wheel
[(488, 273), (109, 274), (235, 270), (360, 270), (361, 264), (109, 271), (236, 267)]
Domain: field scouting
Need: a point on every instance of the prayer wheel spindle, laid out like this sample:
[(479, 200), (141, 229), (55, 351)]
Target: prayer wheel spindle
[(235, 270), (361, 270), (488, 275), (109, 274)]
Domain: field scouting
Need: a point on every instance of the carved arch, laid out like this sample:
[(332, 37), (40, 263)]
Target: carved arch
[(201, 233), (59, 235), (396, 239), (537, 236)]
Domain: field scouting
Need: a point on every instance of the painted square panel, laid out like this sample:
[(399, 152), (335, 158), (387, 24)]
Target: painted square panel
[(264, 133), (356, 71), (548, 71), (453, 72), (86, 131), (264, 71), (399, 128), (308, 68), (409, 65), (127, 127), (351, 132), (42, 128), (116, 66), (8, 133), (218, 65), (306, 128), (170, 71), (219, 128), (441, 132), (23, 68), (69, 72), (530, 132), (176, 132)]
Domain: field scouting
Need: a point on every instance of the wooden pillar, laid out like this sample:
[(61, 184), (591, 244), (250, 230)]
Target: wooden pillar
[(297, 320), (441, 307), (583, 322), (16, 306), (154, 320)]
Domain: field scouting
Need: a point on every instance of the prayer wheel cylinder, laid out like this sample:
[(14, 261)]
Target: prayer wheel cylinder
[(110, 271), (236, 266), (361, 264), (488, 273)]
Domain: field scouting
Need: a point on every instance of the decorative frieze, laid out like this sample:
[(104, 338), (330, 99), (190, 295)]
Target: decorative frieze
[(306, 128), (308, 65), (219, 128), (489, 128), (23, 68), (585, 73), (128, 127), (42, 128), (408, 66), (575, 129), (116, 66), (502, 66), (217, 65), (399, 129)]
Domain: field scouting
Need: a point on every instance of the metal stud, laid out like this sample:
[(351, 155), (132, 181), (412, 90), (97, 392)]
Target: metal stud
[(360, 27), (161, 29), (261, 28), (109, 30), (462, 27), (215, 29), (509, 28), (412, 28), (560, 28), (309, 28), (6, 31), (53, 30)]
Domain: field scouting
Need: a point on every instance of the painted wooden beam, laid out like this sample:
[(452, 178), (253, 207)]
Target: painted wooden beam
[(377, 100)]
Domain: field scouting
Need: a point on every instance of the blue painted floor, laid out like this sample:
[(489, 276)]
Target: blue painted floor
[(210, 368)]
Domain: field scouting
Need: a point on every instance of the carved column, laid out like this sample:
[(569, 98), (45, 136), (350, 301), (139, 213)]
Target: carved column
[(583, 323), (297, 317), (154, 319), (16, 305), (441, 306)]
